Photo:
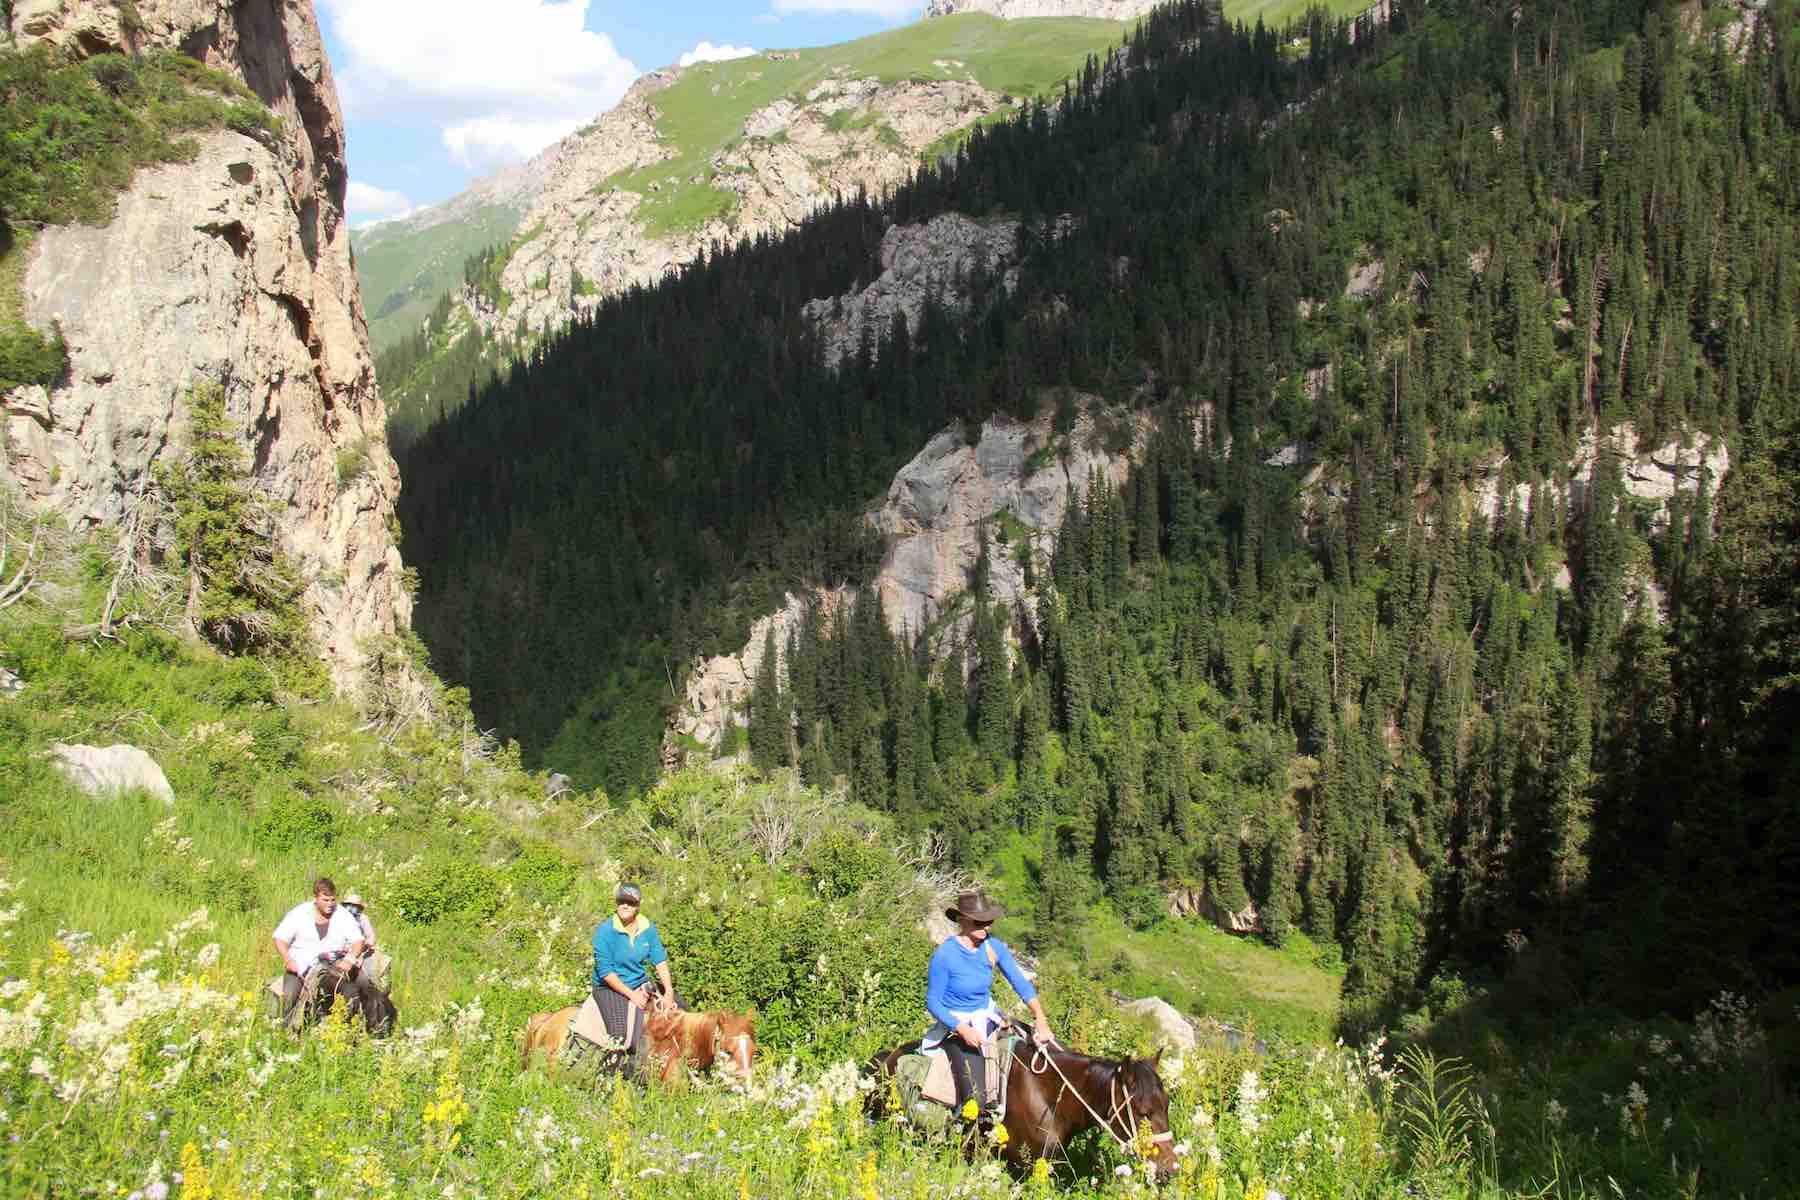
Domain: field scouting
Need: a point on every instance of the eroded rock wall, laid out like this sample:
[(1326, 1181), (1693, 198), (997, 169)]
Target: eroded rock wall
[(234, 267), (1010, 488)]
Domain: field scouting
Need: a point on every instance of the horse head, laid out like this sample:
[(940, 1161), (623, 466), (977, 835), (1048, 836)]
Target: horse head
[(1143, 1108), (737, 1040)]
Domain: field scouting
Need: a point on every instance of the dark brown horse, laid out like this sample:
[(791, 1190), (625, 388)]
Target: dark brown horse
[(366, 1002), (1054, 1094)]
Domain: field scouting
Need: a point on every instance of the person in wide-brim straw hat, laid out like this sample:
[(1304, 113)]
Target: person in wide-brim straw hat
[(959, 994)]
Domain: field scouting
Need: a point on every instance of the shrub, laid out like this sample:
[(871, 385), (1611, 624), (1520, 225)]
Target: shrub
[(445, 888), (28, 357), (302, 821), (542, 872), (842, 864)]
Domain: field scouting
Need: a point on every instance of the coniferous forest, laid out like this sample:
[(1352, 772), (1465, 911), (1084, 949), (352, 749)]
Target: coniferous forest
[(1354, 698)]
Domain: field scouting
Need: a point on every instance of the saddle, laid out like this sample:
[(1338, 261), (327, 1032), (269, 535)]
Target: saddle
[(928, 1089)]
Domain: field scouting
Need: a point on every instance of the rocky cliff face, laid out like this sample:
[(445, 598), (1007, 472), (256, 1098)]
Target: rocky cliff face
[(1010, 489), (933, 261), (582, 242), (1013, 10), (236, 268)]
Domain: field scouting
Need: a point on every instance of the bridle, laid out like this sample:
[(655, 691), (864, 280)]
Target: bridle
[(1118, 1096)]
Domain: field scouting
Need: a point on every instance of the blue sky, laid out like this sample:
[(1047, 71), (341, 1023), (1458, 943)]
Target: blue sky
[(438, 92)]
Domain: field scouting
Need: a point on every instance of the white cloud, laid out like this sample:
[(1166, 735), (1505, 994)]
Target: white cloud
[(366, 202), (500, 78), (707, 52), (495, 140), (887, 10)]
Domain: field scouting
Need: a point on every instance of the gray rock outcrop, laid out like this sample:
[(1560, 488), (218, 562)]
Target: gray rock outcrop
[(111, 770), (952, 495), (1170, 1029), (1656, 474), (919, 263), (234, 267), (940, 507), (1199, 902)]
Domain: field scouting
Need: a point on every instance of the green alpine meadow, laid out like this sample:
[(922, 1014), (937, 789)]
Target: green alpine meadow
[(1231, 572)]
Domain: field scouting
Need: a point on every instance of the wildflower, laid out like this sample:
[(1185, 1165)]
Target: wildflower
[(1554, 1113), (651, 1173), (208, 958), (1123, 1171), (970, 1109), (998, 1135)]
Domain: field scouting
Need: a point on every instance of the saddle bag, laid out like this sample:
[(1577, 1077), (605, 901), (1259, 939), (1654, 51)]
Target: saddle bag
[(910, 1074)]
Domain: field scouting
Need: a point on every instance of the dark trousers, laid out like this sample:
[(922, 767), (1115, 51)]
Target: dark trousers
[(969, 1069)]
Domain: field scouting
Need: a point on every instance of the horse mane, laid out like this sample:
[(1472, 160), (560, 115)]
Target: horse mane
[(680, 1038)]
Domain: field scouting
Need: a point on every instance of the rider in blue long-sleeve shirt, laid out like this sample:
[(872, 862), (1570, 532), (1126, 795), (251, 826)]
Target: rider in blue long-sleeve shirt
[(959, 995)]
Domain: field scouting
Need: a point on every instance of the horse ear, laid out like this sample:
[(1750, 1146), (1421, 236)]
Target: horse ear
[(1156, 1059)]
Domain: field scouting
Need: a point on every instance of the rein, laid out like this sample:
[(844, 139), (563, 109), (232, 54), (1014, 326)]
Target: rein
[(1113, 1090)]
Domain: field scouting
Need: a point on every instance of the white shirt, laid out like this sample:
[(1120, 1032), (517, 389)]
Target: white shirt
[(299, 929)]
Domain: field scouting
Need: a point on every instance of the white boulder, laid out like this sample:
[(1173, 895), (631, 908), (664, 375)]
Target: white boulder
[(112, 770)]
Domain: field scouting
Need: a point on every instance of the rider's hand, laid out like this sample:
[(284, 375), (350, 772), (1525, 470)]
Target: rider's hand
[(967, 1033), (639, 997), (1041, 1033)]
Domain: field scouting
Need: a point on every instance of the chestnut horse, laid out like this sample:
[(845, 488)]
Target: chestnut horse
[(697, 1039), (677, 1039), (1053, 1094)]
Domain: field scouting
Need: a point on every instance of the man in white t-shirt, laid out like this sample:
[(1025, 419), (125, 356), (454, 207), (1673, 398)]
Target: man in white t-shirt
[(313, 935)]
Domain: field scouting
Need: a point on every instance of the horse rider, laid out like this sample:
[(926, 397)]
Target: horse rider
[(626, 945), (375, 964), (314, 936), (959, 996)]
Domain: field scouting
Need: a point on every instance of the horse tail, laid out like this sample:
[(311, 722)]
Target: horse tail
[(533, 1027)]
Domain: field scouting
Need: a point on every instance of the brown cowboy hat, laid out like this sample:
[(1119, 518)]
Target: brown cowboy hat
[(976, 906)]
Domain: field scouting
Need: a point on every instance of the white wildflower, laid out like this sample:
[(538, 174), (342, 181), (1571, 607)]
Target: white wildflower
[(1554, 1112), (208, 958)]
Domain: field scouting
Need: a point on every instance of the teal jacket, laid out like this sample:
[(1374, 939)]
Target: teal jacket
[(627, 953)]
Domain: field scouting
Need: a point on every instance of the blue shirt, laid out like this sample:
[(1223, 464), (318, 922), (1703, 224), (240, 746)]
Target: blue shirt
[(962, 980), (625, 952)]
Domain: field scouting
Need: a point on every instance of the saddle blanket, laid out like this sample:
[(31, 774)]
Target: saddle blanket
[(590, 1025), (940, 1084)]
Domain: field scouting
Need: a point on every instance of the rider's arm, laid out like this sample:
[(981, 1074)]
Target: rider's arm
[(281, 948), (1009, 966), (611, 979), (937, 991), (668, 984)]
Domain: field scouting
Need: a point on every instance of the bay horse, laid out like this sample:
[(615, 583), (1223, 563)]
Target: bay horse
[(1054, 1094)]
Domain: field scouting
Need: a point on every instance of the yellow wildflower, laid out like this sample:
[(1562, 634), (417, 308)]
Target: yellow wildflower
[(196, 1181), (970, 1109), (865, 1177), (999, 1136)]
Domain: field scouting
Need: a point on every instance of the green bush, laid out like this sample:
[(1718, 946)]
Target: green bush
[(302, 821), (443, 889), (542, 872), (842, 863), (28, 357)]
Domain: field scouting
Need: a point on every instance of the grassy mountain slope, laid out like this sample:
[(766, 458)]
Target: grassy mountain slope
[(705, 109), (404, 268)]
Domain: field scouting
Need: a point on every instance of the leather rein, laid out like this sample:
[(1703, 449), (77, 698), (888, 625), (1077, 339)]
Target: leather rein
[(1118, 1095)]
